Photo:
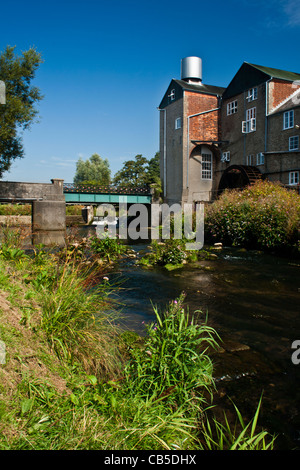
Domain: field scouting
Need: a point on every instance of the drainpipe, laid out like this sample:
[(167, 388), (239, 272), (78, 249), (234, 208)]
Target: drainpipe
[(266, 121), (188, 140), (267, 113), (165, 151)]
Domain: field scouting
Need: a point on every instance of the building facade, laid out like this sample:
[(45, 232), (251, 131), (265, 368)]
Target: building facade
[(213, 138)]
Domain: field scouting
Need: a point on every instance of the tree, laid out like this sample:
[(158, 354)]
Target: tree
[(93, 171), (19, 112), (138, 172), (153, 171)]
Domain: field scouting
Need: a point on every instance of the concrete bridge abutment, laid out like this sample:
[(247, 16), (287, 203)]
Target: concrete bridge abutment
[(49, 218), (48, 208)]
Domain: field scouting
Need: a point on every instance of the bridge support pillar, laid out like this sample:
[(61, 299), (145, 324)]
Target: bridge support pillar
[(49, 223), (88, 214)]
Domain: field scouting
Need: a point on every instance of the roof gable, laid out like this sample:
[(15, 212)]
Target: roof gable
[(181, 85), (250, 75)]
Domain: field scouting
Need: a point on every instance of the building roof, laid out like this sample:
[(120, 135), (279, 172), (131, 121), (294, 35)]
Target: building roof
[(250, 75), (207, 89), (277, 73), (181, 85)]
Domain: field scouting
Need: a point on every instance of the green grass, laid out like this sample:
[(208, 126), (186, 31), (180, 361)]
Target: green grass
[(73, 380)]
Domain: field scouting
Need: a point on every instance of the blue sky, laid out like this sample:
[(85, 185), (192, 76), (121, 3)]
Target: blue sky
[(108, 64)]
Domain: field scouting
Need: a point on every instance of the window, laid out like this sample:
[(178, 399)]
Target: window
[(288, 119), (250, 160), (206, 166), (178, 123), (225, 157), (250, 114), (294, 143), (172, 95), (250, 124), (294, 177), (260, 159), (252, 94), (231, 108)]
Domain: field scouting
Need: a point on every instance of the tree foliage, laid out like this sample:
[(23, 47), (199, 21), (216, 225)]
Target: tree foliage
[(19, 112), (138, 172), (95, 170)]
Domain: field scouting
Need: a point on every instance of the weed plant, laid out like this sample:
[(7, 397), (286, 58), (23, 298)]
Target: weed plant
[(173, 364)]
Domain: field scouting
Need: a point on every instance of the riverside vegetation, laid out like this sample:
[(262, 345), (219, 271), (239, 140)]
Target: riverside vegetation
[(73, 379), (265, 216)]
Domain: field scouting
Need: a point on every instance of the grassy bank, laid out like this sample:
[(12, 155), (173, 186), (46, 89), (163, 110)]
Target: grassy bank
[(71, 379)]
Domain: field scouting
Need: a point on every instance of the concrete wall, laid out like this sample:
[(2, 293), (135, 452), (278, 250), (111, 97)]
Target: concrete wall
[(14, 191), (48, 208)]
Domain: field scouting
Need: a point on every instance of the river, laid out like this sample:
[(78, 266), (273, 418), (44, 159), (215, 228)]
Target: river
[(252, 301)]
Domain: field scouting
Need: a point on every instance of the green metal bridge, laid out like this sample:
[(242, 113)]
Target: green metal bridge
[(95, 195)]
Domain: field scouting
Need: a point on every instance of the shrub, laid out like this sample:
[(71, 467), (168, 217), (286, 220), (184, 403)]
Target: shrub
[(263, 216)]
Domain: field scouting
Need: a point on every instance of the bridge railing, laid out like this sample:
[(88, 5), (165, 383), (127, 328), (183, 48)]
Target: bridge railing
[(108, 189)]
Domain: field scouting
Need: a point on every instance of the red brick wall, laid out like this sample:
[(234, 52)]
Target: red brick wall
[(281, 91), (203, 127)]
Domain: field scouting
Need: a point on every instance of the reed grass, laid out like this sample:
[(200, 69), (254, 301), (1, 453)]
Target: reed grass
[(148, 394)]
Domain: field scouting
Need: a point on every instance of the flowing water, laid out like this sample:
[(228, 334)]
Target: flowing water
[(252, 301)]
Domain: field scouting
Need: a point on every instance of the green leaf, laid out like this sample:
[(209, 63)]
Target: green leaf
[(26, 405)]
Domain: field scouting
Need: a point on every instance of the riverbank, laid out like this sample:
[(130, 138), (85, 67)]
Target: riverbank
[(71, 379)]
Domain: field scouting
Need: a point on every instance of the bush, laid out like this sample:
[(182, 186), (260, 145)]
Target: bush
[(262, 216)]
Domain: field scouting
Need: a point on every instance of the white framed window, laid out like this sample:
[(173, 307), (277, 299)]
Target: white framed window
[(288, 119), (206, 166), (252, 94), (250, 160), (225, 157), (294, 143), (231, 108), (250, 114), (172, 95), (294, 177), (178, 123), (250, 124), (260, 159)]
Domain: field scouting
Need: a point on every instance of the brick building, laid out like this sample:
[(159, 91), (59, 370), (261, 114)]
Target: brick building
[(212, 138)]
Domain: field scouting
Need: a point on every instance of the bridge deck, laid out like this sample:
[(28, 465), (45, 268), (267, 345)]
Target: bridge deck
[(90, 194)]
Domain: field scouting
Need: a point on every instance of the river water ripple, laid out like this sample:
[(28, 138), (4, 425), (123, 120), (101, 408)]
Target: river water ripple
[(252, 301)]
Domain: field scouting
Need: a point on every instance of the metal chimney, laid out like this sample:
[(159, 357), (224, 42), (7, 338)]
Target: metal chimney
[(191, 69)]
